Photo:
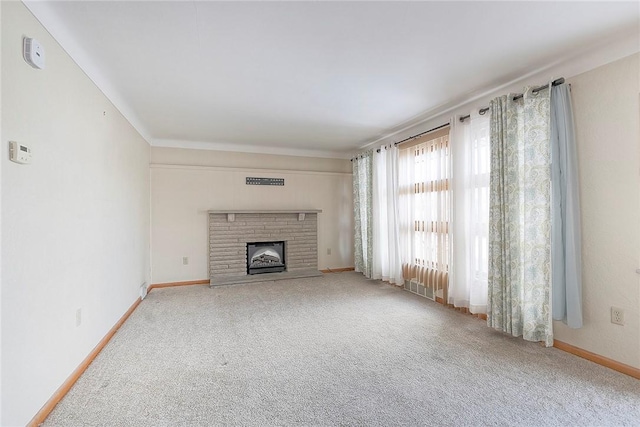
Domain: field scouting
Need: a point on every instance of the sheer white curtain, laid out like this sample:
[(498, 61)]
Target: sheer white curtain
[(471, 170), (425, 195), (406, 166), (386, 247)]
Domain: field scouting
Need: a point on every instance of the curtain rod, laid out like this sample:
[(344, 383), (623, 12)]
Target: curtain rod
[(416, 136), (483, 110), (421, 133), (411, 137)]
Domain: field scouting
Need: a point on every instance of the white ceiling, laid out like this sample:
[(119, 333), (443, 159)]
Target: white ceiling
[(319, 76)]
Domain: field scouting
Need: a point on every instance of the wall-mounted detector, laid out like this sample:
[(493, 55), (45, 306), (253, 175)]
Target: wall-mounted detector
[(19, 153), (33, 53)]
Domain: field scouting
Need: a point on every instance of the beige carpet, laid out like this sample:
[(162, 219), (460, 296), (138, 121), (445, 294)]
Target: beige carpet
[(332, 350)]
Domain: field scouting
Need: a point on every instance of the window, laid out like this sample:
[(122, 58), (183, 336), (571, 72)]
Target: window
[(425, 193)]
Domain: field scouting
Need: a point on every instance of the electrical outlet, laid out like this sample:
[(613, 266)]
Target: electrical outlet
[(78, 317), (617, 316), (185, 260), (143, 290)]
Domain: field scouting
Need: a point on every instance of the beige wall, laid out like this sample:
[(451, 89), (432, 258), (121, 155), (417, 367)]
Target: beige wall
[(185, 184), (75, 222), (608, 138)]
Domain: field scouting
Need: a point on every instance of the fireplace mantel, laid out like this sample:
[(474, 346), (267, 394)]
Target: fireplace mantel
[(251, 211), (231, 214)]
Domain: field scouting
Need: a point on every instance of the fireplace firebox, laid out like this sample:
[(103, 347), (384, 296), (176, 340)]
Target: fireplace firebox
[(265, 257)]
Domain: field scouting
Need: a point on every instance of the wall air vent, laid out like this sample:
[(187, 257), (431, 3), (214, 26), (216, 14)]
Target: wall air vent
[(265, 181)]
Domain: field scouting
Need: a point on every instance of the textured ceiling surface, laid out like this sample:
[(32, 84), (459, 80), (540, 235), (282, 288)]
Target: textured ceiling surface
[(328, 76)]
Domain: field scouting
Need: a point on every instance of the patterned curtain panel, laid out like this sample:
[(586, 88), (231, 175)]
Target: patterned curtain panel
[(520, 217), (362, 202)]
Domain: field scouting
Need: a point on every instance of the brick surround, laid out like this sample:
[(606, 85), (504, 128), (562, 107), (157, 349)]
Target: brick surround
[(229, 233)]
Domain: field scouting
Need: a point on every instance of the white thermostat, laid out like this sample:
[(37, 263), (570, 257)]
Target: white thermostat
[(33, 53), (19, 153)]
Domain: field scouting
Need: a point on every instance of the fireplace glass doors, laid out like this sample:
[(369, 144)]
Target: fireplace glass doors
[(265, 257)]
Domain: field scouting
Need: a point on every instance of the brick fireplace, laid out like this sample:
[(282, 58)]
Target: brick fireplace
[(231, 231)]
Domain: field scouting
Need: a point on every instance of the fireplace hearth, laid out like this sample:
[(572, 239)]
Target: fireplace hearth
[(265, 257)]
